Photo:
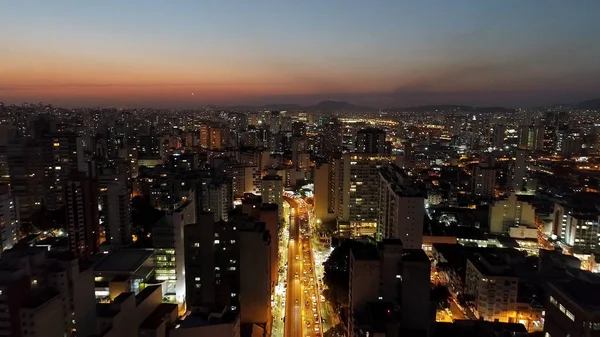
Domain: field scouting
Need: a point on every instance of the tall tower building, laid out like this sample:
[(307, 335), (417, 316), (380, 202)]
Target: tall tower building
[(211, 262), (215, 196), (520, 171), (484, 181), (61, 154), (358, 206), (271, 191), (332, 138), (498, 136), (170, 251), (26, 169), (255, 271), (326, 191), (216, 138), (83, 225), (370, 140), (401, 208), (299, 129), (9, 219), (115, 211), (300, 157)]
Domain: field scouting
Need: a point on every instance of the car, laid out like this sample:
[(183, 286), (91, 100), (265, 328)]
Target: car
[(296, 301), (296, 275), (297, 257)]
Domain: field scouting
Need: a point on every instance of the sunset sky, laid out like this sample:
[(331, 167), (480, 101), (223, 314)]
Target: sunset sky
[(379, 53)]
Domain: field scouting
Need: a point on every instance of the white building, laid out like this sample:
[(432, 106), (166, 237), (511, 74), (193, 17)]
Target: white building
[(578, 225), (494, 286), (511, 212)]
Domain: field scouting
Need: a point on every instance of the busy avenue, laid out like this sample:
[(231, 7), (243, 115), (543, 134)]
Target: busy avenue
[(302, 314)]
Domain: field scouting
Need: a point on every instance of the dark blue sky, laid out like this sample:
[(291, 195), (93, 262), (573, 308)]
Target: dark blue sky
[(378, 53)]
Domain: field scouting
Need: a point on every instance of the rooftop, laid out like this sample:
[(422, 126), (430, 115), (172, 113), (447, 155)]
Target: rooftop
[(144, 294), (158, 316), (414, 255), (40, 297), (585, 294), (123, 261), (474, 328), (204, 319)]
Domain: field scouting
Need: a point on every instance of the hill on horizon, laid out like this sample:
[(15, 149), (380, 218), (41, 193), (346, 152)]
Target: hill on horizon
[(333, 106)]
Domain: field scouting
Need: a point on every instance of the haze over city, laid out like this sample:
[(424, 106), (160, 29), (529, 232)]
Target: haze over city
[(379, 54)]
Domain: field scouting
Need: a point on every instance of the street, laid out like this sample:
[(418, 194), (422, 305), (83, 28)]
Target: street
[(302, 295)]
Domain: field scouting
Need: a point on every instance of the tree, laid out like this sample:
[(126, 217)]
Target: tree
[(336, 277), (441, 296), (337, 273), (336, 331), (466, 300)]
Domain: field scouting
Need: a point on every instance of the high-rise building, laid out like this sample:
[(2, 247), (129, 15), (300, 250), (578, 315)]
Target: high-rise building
[(45, 295), (531, 137), (391, 283), (9, 219), (484, 181), (498, 136), (216, 196), (401, 208), (493, 284), (255, 271), (298, 129), (211, 262), (26, 171), (169, 249), (576, 224), (358, 207), (300, 157), (268, 214), (61, 154), (331, 141), (271, 191), (371, 140), (81, 206), (325, 196), (115, 211), (572, 309), (216, 138), (520, 171), (275, 122)]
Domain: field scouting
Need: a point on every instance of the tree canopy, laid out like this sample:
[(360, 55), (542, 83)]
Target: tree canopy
[(337, 273)]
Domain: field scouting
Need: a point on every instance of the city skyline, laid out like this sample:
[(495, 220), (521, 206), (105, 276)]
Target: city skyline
[(395, 53)]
